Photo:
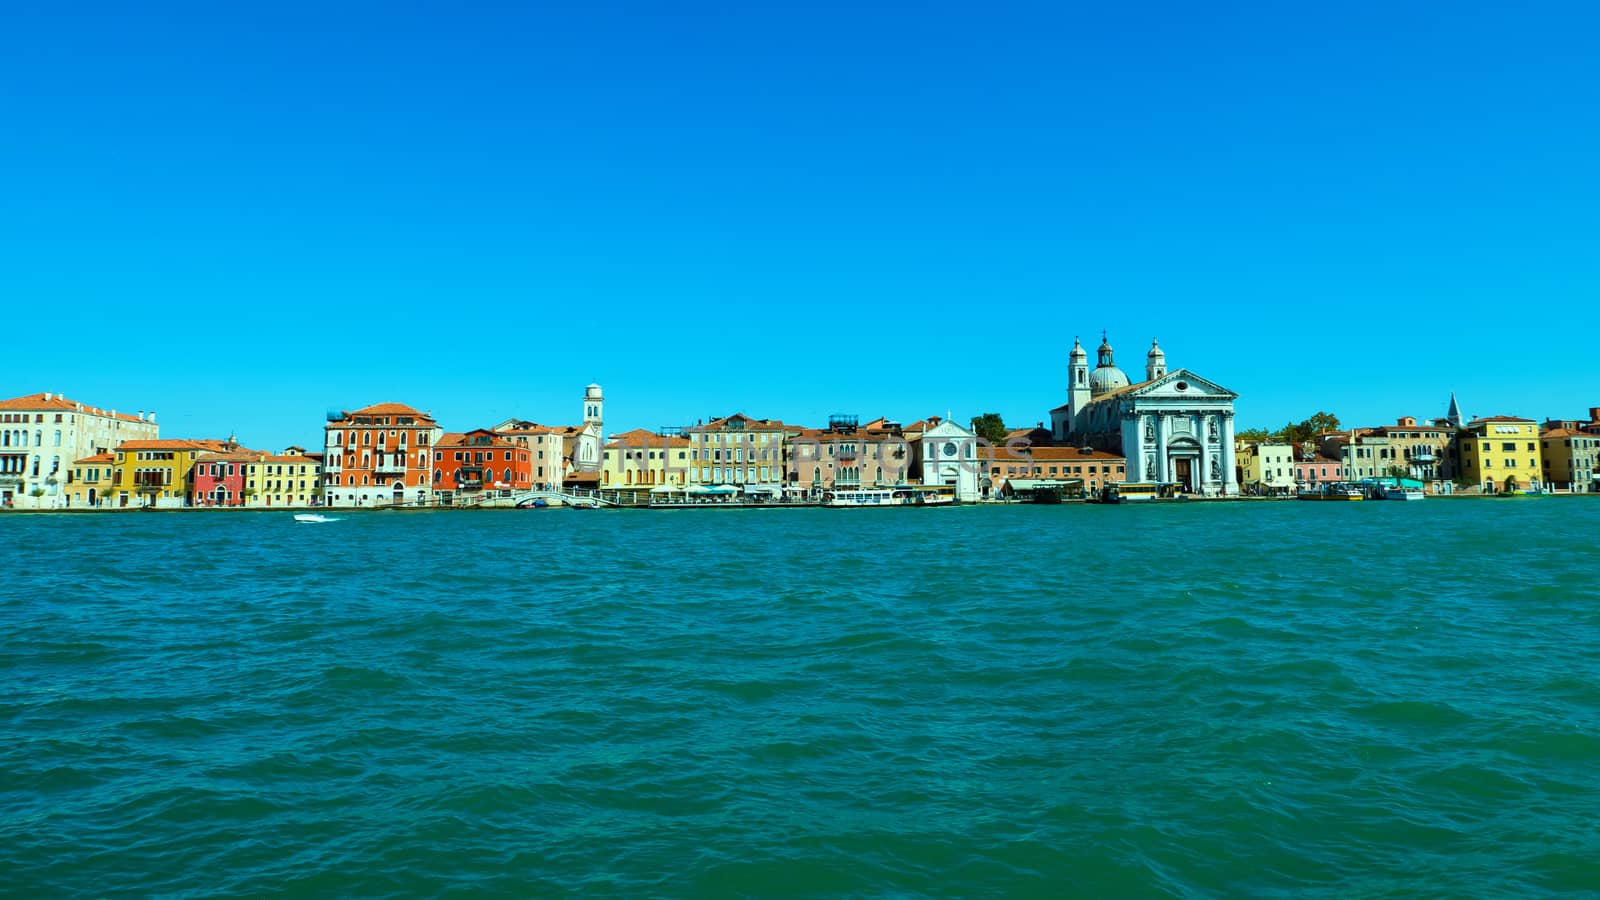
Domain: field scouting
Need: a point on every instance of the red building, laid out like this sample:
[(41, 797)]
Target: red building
[(481, 460), (219, 478)]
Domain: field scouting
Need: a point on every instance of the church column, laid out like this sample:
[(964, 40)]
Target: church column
[(1161, 448), (1202, 436), (1229, 485)]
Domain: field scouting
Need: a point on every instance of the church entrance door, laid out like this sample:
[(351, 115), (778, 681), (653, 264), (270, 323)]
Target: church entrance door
[(1183, 472)]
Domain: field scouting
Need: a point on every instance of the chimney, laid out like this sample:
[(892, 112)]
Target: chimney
[(152, 416), (1594, 413), (46, 395)]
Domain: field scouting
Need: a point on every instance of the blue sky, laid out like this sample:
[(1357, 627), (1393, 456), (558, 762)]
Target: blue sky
[(241, 217)]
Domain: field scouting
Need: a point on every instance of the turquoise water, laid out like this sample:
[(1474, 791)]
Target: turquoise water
[(1277, 699)]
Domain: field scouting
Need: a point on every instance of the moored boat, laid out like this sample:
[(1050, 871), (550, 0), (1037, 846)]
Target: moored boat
[(1333, 491), (886, 497), (1395, 492), (1130, 492)]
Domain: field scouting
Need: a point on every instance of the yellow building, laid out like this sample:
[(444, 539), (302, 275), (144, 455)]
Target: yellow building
[(739, 450), (643, 459), (157, 473), (1571, 459), (88, 481), (1266, 468), (1501, 453), (290, 478)]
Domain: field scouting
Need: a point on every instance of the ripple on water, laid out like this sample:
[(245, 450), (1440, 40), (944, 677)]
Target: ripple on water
[(982, 702)]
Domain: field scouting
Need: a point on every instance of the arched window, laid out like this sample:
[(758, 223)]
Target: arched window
[(438, 475), (507, 479), (366, 439), (58, 437)]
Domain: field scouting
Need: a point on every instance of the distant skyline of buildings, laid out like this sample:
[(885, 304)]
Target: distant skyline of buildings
[(1173, 427)]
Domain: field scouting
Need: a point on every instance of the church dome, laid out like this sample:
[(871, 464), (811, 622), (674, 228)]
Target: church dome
[(1106, 376)]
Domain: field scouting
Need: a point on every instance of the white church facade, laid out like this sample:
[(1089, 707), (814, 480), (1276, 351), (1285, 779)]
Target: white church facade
[(1173, 428)]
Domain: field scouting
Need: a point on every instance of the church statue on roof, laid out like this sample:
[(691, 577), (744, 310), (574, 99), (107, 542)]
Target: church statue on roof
[(1174, 427)]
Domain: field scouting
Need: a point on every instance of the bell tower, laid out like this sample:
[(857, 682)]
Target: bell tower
[(1155, 363), (594, 406)]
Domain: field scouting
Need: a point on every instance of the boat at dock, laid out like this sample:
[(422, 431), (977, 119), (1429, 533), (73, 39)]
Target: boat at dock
[(1396, 492), (1338, 490), (887, 497)]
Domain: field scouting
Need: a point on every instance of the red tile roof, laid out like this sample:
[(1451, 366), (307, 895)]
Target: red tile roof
[(37, 403), (389, 409), (175, 444)]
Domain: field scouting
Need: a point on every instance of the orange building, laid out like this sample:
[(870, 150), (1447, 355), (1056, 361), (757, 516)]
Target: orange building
[(379, 455), (480, 460)]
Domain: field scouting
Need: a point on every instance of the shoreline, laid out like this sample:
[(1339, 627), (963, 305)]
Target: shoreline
[(714, 506)]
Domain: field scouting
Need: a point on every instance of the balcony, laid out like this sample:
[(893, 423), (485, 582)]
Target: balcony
[(392, 465)]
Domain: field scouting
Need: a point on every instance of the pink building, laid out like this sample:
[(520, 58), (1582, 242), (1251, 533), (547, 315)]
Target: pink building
[(1321, 470), (219, 478)]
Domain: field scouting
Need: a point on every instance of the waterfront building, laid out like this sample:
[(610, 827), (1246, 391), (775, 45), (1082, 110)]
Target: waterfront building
[(739, 450), (848, 455), (220, 477), (1416, 448), (378, 455), (1020, 469), (88, 481), (1362, 453), (1315, 471), (1571, 458), (946, 454), (1173, 427), (158, 474), (1500, 453), (1266, 468), (478, 460), (545, 445), (243, 478), (644, 459), (41, 435)]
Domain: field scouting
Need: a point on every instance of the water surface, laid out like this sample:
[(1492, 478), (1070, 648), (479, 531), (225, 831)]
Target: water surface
[(1272, 699)]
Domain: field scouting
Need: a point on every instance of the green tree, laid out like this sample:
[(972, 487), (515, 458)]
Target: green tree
[(990, 427), (1322, 421), (1255, 435)]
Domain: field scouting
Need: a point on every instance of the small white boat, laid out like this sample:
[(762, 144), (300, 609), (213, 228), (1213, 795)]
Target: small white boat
[(313, 517), (1402, 493)]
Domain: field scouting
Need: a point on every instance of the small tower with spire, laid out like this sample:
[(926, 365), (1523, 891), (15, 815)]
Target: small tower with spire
[(1155, 362), (594, 406), (1077, 380), (1453, 414)]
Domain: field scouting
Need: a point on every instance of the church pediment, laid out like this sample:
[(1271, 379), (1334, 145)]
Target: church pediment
[(1181, 384)]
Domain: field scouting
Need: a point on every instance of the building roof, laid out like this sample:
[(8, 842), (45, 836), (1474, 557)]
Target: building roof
[(97, 458), (207, 445), (645, 439), (1563, 432), (389, 409), (462, 439), (523, 426), (45, 401), (1053, 454), (1484, 419), (750, 424)]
